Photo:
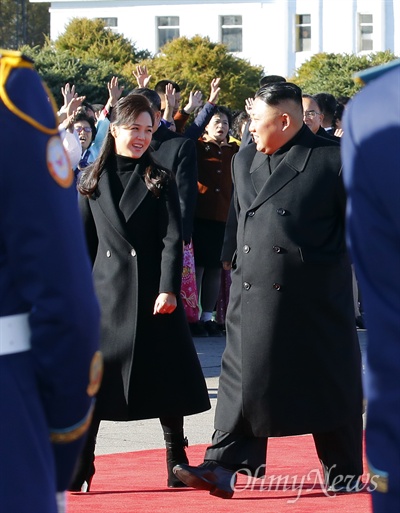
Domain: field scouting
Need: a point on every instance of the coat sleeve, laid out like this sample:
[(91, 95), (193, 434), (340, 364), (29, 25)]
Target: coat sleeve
[(88, 226), (229, 246), (171, 236), (186, 181)]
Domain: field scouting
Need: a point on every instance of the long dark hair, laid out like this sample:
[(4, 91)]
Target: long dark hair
[(123, 113)]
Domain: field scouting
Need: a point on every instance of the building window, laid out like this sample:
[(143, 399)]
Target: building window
[(303, 32), (168, 29), (231, 32), (365, 33), (110, 22)]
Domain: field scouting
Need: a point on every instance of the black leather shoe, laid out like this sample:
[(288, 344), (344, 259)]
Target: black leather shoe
[(360, 322), (209, 476), (213, 329)]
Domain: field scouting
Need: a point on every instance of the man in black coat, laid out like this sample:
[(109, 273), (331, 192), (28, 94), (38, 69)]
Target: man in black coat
[(177, 154), (292, 361), (313, 118)]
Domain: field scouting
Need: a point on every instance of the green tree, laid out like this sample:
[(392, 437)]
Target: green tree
[(23, 23), (193, 63), (89, 75), (91, 39), (87, 55), (333, 73)]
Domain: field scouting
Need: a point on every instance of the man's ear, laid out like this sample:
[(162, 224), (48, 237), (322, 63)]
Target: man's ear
[(157, 118), (285, 121)]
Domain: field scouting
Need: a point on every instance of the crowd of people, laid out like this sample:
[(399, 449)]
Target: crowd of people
[(159, 145), (258, 196)]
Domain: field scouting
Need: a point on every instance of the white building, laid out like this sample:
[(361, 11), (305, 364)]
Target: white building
[(279, 35)]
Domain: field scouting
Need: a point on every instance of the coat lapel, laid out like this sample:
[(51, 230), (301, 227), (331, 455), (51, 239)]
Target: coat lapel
[(133, 195), (259, 171), (290, 167)]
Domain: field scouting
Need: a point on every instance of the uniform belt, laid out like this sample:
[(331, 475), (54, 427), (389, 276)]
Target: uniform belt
[(15, 334)]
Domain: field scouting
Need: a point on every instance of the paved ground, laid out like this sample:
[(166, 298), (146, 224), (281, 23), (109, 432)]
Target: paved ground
[(116, 437), (147, 434)]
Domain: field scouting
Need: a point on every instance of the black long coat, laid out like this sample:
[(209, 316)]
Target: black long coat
[(177, 154), (292, 360), (136, 248)]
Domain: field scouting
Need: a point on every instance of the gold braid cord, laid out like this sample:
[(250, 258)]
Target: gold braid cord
[(10, 60), (70, 435)]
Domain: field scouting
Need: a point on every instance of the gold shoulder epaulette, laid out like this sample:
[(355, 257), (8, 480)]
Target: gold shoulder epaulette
[(10, 60)]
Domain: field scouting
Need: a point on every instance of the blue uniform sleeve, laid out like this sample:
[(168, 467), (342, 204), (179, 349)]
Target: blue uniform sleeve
[(47, 265)]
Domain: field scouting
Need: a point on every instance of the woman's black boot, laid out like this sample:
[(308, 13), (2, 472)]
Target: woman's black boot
[(175, 444)]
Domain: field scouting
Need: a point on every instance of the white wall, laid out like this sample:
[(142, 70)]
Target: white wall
[(268, 25)]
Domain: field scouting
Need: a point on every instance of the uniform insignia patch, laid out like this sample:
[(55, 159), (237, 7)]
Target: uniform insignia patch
[(95, 374), (58, 163)]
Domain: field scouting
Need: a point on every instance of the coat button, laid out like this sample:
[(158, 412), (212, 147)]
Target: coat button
[(246, 248), (277, 286), (251, 213), (281, 211), (108, 254), (277, 249), (217, 189), (246, 285), (133, 252), (219, 171)]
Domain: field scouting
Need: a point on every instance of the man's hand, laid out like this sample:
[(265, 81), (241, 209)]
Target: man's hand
[(114, 91), (227, 266), (248, 105), (142, 76)]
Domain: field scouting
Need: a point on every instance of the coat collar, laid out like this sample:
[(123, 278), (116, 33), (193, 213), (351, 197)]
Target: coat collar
[(289, 168), (133, 195)]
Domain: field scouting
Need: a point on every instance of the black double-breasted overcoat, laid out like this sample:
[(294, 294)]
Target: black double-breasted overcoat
[(177, 154), (136, 248), (292, 359)]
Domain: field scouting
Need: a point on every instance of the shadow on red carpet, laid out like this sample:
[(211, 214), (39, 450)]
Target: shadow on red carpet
[(135, 482)]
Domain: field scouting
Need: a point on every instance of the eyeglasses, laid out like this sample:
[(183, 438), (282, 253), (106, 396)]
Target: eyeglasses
[(86, 129), (310, 114)]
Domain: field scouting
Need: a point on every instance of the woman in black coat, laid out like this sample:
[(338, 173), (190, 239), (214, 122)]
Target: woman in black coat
[(132, 220)]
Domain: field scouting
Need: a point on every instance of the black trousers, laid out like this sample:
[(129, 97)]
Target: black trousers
[(339, 451)]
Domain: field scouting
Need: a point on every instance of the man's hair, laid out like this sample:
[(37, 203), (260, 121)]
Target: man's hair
[(151, 95), (275, 93), (327, 104), (271, 79), (161, 85), (87, 105)]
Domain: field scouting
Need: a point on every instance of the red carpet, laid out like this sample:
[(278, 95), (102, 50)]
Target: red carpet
[(136, 483)]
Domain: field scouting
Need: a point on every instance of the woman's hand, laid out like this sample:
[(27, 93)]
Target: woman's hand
[(165, 303)]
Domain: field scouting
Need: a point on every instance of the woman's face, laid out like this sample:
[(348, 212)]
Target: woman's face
[(218, 127), (84, 132), (133, 140)]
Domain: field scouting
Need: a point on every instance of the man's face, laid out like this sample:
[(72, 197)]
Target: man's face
[(312, 116), (266, 126)]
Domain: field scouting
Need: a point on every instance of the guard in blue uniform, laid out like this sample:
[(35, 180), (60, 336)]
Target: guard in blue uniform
[(371, 159), (49, 317)]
